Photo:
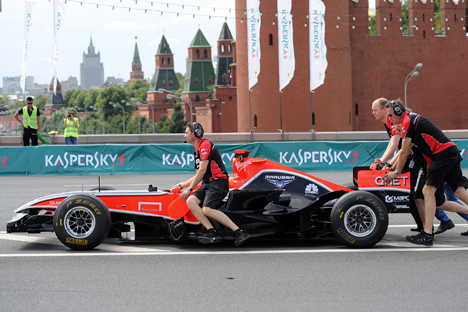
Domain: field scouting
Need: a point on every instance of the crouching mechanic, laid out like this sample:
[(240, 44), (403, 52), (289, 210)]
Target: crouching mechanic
[(205, 201)]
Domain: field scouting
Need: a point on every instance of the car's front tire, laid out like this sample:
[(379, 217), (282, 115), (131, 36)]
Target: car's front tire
[(82, 222), (359, 219)]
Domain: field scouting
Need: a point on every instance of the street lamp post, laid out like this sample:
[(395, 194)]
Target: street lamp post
[(140, 102), (123, 113), (173, 95), (139, 114), (413, 73)]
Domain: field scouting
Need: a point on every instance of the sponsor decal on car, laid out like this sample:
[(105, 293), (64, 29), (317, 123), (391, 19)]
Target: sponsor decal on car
[(242, 165), (311, 189), (396, 199), (280, 181), (399, 181), (332, 156), (85, 160), (77, 241)]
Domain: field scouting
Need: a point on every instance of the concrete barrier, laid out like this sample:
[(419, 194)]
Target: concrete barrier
[(228, 138)]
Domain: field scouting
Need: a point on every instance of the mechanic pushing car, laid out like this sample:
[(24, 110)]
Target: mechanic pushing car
[(443, 165), (205, 201)]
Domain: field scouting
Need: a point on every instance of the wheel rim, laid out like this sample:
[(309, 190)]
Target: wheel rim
[(360, 220), (80, 222)]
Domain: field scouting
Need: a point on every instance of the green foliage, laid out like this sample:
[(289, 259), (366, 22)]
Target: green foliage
[(40, 101), (115, 95), (90, 99), (372, 25), (181, 79), (137, 90), (210, 90), (4, 99), (404, 17), (178, 123)]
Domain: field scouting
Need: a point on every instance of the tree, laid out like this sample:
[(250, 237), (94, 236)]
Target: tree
[(40, 101), (177, 124), (137, 89), (372, 25), (115, 95), (181, 79), (90, 99)]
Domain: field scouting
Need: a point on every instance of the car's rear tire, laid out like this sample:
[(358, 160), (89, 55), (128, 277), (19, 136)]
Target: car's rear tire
[(359, 219), (82, 222)]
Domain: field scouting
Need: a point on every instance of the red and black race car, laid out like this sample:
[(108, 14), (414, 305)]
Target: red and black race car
[(266, 199)]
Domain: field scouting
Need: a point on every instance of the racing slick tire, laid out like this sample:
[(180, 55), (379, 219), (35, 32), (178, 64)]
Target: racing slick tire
[(82, 222), (359, 219)]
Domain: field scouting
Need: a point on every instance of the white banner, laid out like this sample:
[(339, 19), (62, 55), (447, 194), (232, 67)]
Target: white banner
[(27, 29), (287, 61), (317, 47), (59, 11), (253, 40)]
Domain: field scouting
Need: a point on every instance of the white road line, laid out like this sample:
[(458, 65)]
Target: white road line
[(55, 241), (243, 252)]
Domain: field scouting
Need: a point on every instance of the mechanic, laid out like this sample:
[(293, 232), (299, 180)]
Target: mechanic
[(206, 200), (71, 124), (443, 159), (413, 163), (31, 122)]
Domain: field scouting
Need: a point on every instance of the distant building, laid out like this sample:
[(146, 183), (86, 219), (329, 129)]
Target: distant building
[(70, 84), (91, 70), (11, 85), (200, 72), (225, 57), (164, 78), (137, 72), (112, 81), (54, 101)]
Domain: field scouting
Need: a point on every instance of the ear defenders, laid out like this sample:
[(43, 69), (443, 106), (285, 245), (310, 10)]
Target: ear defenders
[(197, 130), (397, 108)]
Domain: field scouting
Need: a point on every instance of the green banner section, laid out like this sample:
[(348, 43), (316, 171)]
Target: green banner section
[(178, 158)]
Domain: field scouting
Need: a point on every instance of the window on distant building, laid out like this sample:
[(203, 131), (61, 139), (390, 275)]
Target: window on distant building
[(197, 98), (270, 40), (255, 121), (196, 81), (210, 80), (224, 78), (229, 48), (205, 53), (163, 61), (171, 83), (168, 61), (164, 83), (198, 54), (222, 48)]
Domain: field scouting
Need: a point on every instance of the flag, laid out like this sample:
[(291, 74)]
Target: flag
[(59, 11), (287, 61), (317, 48), (27, 28), (253, 40)]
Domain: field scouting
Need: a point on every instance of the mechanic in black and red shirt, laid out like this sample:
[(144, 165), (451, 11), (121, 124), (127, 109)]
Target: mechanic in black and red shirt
[(413, 163), (205, 201), (443, 164)]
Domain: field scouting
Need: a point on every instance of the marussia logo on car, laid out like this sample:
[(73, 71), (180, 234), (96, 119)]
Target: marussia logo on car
[(280, 181)]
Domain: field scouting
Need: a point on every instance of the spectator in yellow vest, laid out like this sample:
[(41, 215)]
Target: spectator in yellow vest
[(31, 122), (70, 124)]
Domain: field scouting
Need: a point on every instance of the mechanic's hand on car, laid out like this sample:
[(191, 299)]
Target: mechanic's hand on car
[(185, 194), (390, 176)]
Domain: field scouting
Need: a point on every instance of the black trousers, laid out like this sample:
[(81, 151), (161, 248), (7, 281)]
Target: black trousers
[(29, 134), (414, 169)]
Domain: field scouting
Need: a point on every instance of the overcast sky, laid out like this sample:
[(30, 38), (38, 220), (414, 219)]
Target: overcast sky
[(113, 32)]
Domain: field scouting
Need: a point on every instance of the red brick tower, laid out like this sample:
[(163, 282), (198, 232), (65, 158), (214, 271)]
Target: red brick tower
[(137, 72)]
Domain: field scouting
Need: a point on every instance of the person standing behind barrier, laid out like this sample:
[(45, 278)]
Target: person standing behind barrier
[(71, 124), (31, 122)]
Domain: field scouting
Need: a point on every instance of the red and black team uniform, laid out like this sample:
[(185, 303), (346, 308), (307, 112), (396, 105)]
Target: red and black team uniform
[(441, 154), (215, 184), (413, 164)]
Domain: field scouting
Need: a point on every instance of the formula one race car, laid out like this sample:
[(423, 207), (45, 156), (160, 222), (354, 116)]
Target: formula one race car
[(266, 199)]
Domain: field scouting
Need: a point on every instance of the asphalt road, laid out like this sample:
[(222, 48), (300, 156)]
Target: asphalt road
[(38, 273)]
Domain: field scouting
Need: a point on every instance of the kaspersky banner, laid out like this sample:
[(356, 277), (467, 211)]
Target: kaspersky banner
[(317, 47), (287, 61), (178, 158), (253, 40)]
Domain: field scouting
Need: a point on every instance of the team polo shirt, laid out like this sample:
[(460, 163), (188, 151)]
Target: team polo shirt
[(424, 134), (390, 127), (206, 150)]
